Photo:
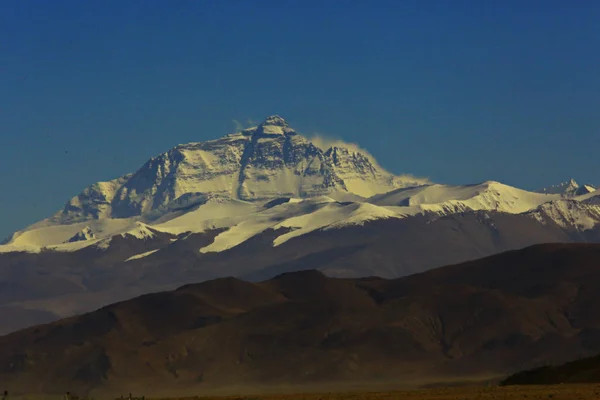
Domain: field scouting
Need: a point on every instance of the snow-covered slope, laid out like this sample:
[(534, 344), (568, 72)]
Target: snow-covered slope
[(585, 189), (296, 218), (293, 219), (142, 255), (590, 198), (73, 237), (83, 235), (569, 188), (93, 203), (362, 175), (447, 199), (216, 213), (568, 213), (61, 235)]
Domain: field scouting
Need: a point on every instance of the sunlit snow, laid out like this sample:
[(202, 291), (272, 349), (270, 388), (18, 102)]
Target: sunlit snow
[(270, 177)]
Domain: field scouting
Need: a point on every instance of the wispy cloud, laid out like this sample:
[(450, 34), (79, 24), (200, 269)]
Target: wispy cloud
[(239, 126), (324, 142)]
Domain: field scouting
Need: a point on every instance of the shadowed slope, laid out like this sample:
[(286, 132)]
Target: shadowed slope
[(586, 370), (487, 317)]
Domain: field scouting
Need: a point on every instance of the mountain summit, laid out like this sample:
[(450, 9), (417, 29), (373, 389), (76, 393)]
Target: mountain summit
[(273, 125), (265, 161), (569, 188)]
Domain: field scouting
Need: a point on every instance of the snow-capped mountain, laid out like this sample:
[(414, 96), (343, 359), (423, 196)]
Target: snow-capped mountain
[(447, 199), (266, 161), (568, 213), (268, 200), (569, 188), (590, 198), (269, 177)]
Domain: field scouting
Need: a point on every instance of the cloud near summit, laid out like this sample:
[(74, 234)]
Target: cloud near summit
[(239, 126), (324, 142)]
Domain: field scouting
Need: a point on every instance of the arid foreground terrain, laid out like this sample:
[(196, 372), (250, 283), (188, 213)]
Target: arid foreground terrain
[(488, 318), (554, 392)]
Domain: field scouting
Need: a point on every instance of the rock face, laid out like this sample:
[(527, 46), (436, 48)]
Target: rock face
[(267, 161), (567, 213), (84, 234), (94, 202)]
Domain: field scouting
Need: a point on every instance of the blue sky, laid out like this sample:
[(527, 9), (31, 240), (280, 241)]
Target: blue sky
[(458, 91)]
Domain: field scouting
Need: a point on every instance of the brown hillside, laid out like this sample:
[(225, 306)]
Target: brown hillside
[(488, 317)]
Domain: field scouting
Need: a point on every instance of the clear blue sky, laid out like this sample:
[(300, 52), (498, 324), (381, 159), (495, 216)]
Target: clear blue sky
[(459, 91)]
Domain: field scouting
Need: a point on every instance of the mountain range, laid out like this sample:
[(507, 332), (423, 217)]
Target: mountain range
[(481, 319), (261, 202)]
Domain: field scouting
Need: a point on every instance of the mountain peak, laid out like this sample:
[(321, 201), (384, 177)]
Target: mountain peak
[(569, 188), (273, 125), (261, 163), (275, 120)]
